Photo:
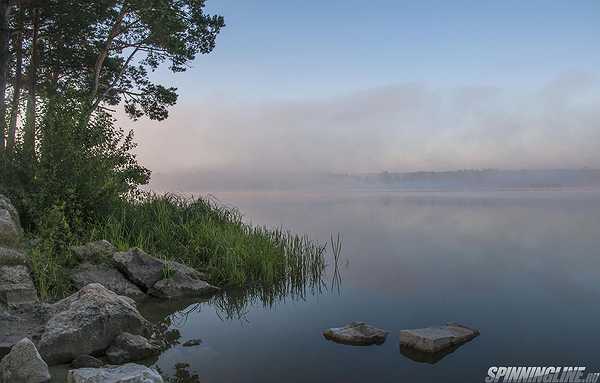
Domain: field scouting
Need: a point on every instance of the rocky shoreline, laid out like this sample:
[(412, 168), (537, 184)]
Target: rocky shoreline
[(99, 323), (99, 332)]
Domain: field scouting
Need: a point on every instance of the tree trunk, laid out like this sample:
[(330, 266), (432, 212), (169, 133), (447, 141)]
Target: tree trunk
[(4, 59), (30, 112), (14, 113)]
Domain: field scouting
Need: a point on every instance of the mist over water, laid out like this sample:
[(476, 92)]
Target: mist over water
[(407, 127), (519, 266)]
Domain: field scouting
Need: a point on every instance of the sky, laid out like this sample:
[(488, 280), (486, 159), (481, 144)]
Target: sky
[(368, 86)]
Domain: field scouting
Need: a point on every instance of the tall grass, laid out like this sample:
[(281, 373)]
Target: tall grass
[(210, 237)]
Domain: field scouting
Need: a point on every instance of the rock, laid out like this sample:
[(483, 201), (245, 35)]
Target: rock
[(94, 252), (162, 279), (8, 206), (192, 343), (11, 257), (356, 334), (10, 233), (86, 361), (128, 373), (436, 339), (25, 322), (16, 286), (130, 348), (182, 281), (87, 322), (10, 227), (24, 365), (141, 268), (107, 276)]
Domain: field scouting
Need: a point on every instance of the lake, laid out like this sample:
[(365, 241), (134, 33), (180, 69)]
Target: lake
[(521, 266)]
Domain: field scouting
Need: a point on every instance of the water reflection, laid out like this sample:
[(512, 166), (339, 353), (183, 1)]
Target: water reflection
[(427, 357), (183, 374), (518, 266)]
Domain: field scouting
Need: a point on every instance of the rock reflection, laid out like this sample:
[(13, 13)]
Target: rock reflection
[(183, 374), (426, 357)]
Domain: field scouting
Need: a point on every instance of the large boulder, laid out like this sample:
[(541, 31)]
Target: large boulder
[(130, 348), (16, 286), (94, 252), (87, 322), (356, 334), (162, 279), (128, 373), (10, 227), (438, 338), (24, 365), (142, 269), (107, 276), (181, 281)]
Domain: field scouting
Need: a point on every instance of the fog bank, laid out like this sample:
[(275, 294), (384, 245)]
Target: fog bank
[(397, 128)]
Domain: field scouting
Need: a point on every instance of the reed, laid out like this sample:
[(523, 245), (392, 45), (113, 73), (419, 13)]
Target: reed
[(213, 238)]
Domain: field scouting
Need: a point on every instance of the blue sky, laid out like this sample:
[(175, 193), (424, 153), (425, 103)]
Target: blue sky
[(376, 85), (310, 48)]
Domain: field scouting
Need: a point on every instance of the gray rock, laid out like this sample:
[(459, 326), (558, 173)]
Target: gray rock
[(86, 361), (141, 268), (7, 205), (87, 322), (94, 252), (24, 365), (130, 348), (107, 276), (436, 339), (182, 281), (10, 227), (11, 257), (10, 234), (128, 373), (356, 334), (25, 322), (192, 343), (16, 286)]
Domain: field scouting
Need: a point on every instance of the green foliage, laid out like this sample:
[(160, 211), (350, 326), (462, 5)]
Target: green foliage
[(84, 167), (51, 256), (213, 238)]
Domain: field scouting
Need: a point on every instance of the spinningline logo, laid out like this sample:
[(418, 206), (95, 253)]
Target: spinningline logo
[(540, 374)]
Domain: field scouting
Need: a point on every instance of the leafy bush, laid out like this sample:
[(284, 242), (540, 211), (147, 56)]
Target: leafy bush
[(85, 167)]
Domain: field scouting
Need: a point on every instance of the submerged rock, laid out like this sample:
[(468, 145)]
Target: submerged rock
[(86, 361), (356, 334), (130, 348), (16, 286), (107, 276), (182, 281), (128, 373), (87, 322), (24, 365), (436, 339), (192, 343), (142, 269), (94, 252)]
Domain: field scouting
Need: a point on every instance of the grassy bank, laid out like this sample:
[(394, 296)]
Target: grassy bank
[(198, 232), (210, 237)]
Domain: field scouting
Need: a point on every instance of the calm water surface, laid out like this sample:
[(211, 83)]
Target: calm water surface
[(522, 267)]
